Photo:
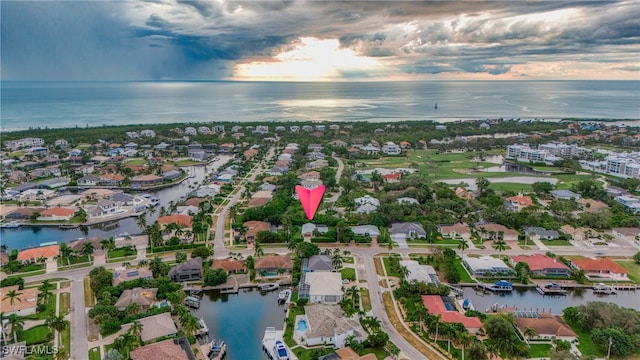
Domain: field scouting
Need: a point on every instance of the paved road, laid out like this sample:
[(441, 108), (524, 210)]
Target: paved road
[(335, 197), (79, 342)]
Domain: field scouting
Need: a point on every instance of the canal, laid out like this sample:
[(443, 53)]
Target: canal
[(530, 299), (33, 236), (240, 320)]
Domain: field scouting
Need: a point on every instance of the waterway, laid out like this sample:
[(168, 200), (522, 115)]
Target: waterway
[(530, 299), (27, 236), (241, 322)]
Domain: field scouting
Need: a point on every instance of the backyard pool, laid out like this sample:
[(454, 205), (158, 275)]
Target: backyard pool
[(302, 325)]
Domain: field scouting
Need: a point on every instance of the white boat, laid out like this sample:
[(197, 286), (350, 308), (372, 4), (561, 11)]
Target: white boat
[(280, 351), (268, 287), (601, 288), (284, 295), (11, 225)]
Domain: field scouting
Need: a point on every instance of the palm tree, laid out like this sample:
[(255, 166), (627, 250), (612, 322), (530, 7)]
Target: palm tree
[(142, 222), (500, 245), (404, 272), (56, 323), (87, 249), (13, 295), (257, 249), (136, 330), (462, 245), (463, 339), (529, 332), (45, 290), (191, 324), (492, 350), (337, 260), (16, 325), (125, 342), (291, 245), (437, 321)]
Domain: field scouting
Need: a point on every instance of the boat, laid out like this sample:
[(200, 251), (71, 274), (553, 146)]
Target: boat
[(49, 243), (466, 304), (551, 288), (11, 225), (192, 301), (218, 349), (280, 351), (436, 106), (203, 327), (502, 285), (284, 295), (268, 287), (603, 289)]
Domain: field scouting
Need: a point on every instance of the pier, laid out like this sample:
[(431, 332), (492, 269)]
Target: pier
[(551, 289), (271, 335), (268, 287), (498, 286)]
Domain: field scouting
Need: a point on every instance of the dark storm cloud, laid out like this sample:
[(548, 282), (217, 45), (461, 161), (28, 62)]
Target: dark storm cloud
[(204, 39)]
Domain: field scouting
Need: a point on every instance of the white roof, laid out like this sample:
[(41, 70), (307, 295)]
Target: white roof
[(485, 262), (418, 272), (324, 283)]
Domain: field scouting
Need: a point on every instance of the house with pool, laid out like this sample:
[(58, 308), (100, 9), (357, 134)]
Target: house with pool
[(326, 325)]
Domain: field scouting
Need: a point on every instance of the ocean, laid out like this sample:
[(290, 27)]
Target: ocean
[(71, 104)]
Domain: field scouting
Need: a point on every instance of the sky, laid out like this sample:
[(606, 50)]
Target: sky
[(303, 40)]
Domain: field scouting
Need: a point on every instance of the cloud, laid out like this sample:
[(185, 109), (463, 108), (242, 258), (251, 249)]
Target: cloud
[(628, 68)]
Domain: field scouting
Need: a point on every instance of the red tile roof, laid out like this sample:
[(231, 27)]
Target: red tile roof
[(45, 252), (539, 262), (588, 264), (395, 175), (57, 211), (435, 305), (183, 220), (228, 265), (521, 200)]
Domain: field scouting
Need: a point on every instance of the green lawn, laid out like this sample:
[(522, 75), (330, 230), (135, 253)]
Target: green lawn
[(36, 335), (66, 338), (347, 259), (65, 303), (366, 299), (586, 346), (121, 252), (464, 275), (88, 294), (538, 350), (51, 307), (387, 266), (557, 242), (349, 274), (136, 162), (633, 269), (94, 354), (511, 187)]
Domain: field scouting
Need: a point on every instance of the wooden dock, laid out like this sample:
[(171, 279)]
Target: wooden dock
[(271, 335)]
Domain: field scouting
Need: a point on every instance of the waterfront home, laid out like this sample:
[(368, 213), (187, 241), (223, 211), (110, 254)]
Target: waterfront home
[(36, 194), (408, 230), (189, 271), (366, 230), (540, 233), (542, 265), (4, 257), (254, 227), (436, 306), (318, 263), (122, 275), (26, 303), (230, 266), (329, 325), (420, 273), (78, 245), (94, 194), (271, 264), (56, 214), (322, 287), (182, 220), (88, 180), (456, 231), (407, 201), (600, 268), (143, 297), (170, 349), (495, 231), (487, 266), (103, 208), (111, 179), (627, 233), (157, 326), (142, 181), (123, 198), (347, 353), (547, 327), (33, 255), (518, 202), (23, 213), (171, 174), (564, 195), (308, 229)]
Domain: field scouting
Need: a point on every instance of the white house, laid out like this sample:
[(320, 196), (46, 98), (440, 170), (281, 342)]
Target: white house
[(391, 148), (324, 287), (329, 325), (190, 131), (363, 230)]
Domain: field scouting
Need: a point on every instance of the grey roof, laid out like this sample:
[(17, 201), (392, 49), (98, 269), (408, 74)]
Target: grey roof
[(362, 230), (366, 208), (564, 194), (191, 265), (542, 232), (157, 326), (407, 200), (421, 273), (308, 228), (140, 296), (320, 263), (406, 227), (122, 197), (329, 320)]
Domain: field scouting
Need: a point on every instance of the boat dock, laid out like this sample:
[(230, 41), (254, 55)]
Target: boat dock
[(498, 286), (268, 287), (192, 301), (214, 350), (271, 335), (604, 289), (551, 289), (203, 330)]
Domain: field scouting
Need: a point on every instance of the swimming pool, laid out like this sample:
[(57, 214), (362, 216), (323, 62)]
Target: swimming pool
[(302, 325)]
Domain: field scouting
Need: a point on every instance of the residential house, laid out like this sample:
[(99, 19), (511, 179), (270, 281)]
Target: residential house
[(26, 303), (56, 214), (88, 180), (123, 275), (407, 201), (367, 199), (157, 326), (63, 144), (564, 195), (143, 181), (23, 213), (317, 164), (190, 131), (204, 130), (36, 194), (308, 229), (518, 202), (464, 194), (579, 234), (324, 287), (230, 266), (601, 268), (338, 143), (494, 231), (148, 133), (420, 273), (546, 327), (250, 153), (103, 208), (189, 271), (329, 325), (311, 175), (307, 128), (143, 297), (435, 305), (111, 179), (170, 349), (318, 263), (487, 266), (34, 254), (628, 234), (408, 230), (392, 178), (370, 149), (254, 227), (542, 265), (457, 231), (182, 220), (391, 148), (271, 265), (294, 128), (541, 233), (366, 230), (441, 127)]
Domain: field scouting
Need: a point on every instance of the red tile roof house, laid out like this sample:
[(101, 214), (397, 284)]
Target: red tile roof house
[(436, 306), (231, 266), (181, 220), (56, 214), (508, 234), (32, 255), (542, 265), (145, 181), (518, 202), (547, 327), (600, 268), (392, 178), (270, 265)]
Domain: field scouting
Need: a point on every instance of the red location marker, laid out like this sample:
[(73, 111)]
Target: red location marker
[(310, 199)]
